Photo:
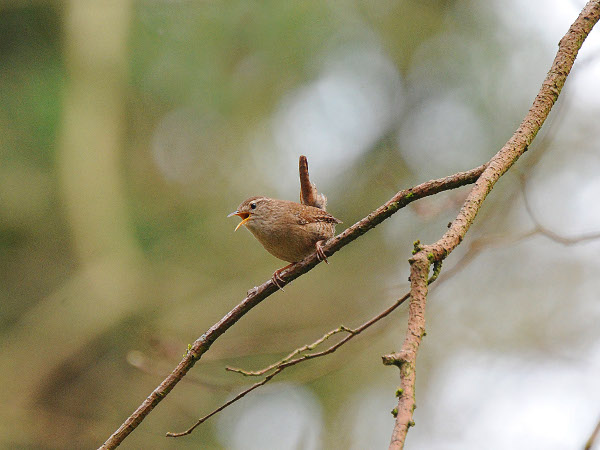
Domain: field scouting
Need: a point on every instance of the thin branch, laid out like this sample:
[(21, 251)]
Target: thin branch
[(304, 348), (501, 162), (590, 442), (258, 294), (225, 405), (476, 246), (541, 229), (288, 361)]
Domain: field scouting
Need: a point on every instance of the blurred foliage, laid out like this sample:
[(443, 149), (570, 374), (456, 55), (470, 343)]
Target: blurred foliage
[(128, 131)]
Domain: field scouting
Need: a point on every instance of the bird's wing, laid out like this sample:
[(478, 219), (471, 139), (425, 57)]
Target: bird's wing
[(315, 215)]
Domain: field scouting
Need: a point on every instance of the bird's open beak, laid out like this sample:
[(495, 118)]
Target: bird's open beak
[(244, 215)]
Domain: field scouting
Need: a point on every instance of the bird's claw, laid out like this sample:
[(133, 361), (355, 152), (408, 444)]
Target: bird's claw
[(276, 279), (320, 253)]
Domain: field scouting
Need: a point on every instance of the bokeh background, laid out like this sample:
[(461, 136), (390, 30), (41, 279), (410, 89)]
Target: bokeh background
[(130, 129)]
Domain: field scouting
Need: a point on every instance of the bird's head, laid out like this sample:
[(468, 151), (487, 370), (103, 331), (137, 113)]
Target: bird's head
[(249, 208)]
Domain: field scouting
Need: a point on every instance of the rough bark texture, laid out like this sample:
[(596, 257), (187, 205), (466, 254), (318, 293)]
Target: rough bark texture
[(406, 359)]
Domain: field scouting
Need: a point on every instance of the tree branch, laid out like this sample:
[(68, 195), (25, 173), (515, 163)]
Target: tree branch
[(568, 48), (541, 229), (407, 357), (590, 442), (258, 294), (306, 348)]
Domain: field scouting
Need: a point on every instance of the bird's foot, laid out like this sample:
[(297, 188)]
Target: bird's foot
[(276, 278), (320, 253)]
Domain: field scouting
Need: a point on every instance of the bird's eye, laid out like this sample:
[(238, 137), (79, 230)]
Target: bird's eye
[(253, 205)]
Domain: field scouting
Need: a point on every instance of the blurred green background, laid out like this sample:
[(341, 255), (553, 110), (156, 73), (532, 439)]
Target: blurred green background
[(129, 130)]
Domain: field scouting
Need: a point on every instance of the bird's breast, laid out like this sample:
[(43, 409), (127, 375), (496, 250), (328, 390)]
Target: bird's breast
[(292, 242)]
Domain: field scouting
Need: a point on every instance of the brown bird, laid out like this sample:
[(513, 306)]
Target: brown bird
[(288, 230)]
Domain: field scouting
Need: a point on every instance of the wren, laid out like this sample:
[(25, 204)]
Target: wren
[(288, 230)]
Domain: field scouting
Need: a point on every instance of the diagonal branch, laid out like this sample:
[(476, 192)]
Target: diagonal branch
[(258, 294), (304, 348), (567, 51), (590, 442)]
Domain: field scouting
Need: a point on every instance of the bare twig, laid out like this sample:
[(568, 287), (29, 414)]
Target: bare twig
[(258, 294), (541, 229), (498, 165), (225, 405), (288, 361), (590, 442), (304, 348)]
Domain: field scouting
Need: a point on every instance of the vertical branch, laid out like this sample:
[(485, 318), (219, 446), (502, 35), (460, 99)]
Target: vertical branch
[(407, 357)]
